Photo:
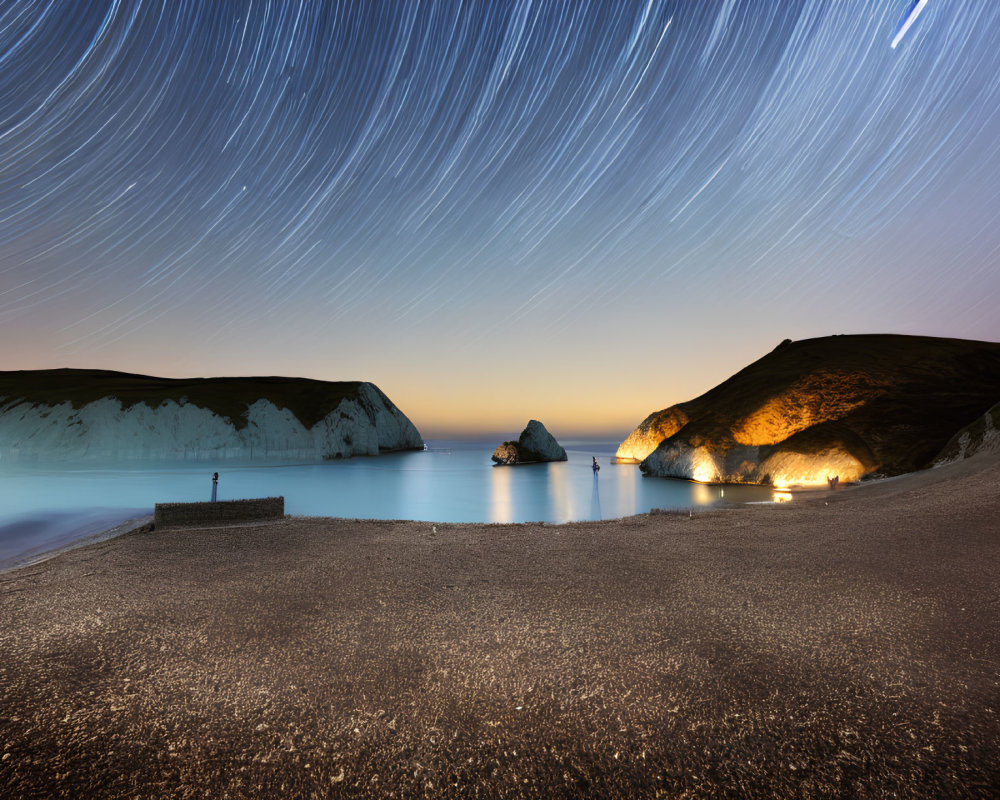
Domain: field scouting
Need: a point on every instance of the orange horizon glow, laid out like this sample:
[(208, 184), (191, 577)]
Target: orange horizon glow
[(465, 400)]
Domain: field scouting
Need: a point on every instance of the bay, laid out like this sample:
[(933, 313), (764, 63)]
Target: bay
[(49, 506)]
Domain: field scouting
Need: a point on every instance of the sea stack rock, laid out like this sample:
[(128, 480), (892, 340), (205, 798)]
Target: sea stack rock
[(534, 445), (73, 414), (834, 407)]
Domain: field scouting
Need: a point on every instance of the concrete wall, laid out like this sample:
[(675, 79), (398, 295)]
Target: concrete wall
[(178, 515)]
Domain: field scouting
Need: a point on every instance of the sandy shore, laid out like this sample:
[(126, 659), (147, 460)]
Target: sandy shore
[(845, 645)]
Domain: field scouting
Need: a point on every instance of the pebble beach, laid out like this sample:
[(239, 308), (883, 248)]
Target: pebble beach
[(842, 645)]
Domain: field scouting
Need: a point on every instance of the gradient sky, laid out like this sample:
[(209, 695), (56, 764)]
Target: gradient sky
[(580, 212)]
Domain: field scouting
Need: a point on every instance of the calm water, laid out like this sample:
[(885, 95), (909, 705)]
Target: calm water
[(44, 508)]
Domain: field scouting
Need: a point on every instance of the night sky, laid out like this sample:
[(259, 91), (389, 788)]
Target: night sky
[(580, 212)]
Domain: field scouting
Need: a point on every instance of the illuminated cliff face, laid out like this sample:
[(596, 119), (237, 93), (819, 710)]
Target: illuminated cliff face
[(651, 431), (741, 464), (833, 407), (704, 467), (812, 399), (680, 460)]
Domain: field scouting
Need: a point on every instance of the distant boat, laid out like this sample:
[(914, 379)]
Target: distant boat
[(908, 19)]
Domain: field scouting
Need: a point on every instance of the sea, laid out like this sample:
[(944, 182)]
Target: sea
[(46, 508)]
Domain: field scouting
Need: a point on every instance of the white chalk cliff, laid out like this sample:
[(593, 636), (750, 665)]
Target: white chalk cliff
[(364, 422), (980, 436)]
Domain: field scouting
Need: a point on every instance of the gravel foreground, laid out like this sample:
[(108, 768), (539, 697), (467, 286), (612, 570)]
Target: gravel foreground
[(844, 645)]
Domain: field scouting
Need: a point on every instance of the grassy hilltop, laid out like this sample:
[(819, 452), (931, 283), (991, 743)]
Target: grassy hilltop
[(309, 400)]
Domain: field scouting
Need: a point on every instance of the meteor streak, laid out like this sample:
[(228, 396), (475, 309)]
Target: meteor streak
[(911, 17)]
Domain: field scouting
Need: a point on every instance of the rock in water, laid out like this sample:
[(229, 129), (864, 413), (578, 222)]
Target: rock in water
[(534, 445), (73, 414), (537, 444), (836, 406), (506, 453)]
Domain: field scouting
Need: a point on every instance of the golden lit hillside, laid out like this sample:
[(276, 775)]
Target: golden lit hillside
[(838, 406)]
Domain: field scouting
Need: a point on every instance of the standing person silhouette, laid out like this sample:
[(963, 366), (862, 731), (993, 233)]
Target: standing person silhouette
[(595, 466), (215, 486)]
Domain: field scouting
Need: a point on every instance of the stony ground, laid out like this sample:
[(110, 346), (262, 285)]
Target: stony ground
[(842, 646)]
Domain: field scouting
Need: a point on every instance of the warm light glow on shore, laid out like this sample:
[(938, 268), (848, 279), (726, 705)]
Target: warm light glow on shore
[(703, 467), (813, 470), (703, 474), (783, 482), (810, 480)]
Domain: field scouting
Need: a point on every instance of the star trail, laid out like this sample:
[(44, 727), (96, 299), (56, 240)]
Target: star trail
[(580, 211)]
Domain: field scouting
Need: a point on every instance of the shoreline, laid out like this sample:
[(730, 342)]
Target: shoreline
[(798, 495), (123, 528), (844, 645), (128, 523)]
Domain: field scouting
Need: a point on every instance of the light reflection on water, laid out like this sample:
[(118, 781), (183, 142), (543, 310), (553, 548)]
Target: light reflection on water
[(450, 482), (501, 496)]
